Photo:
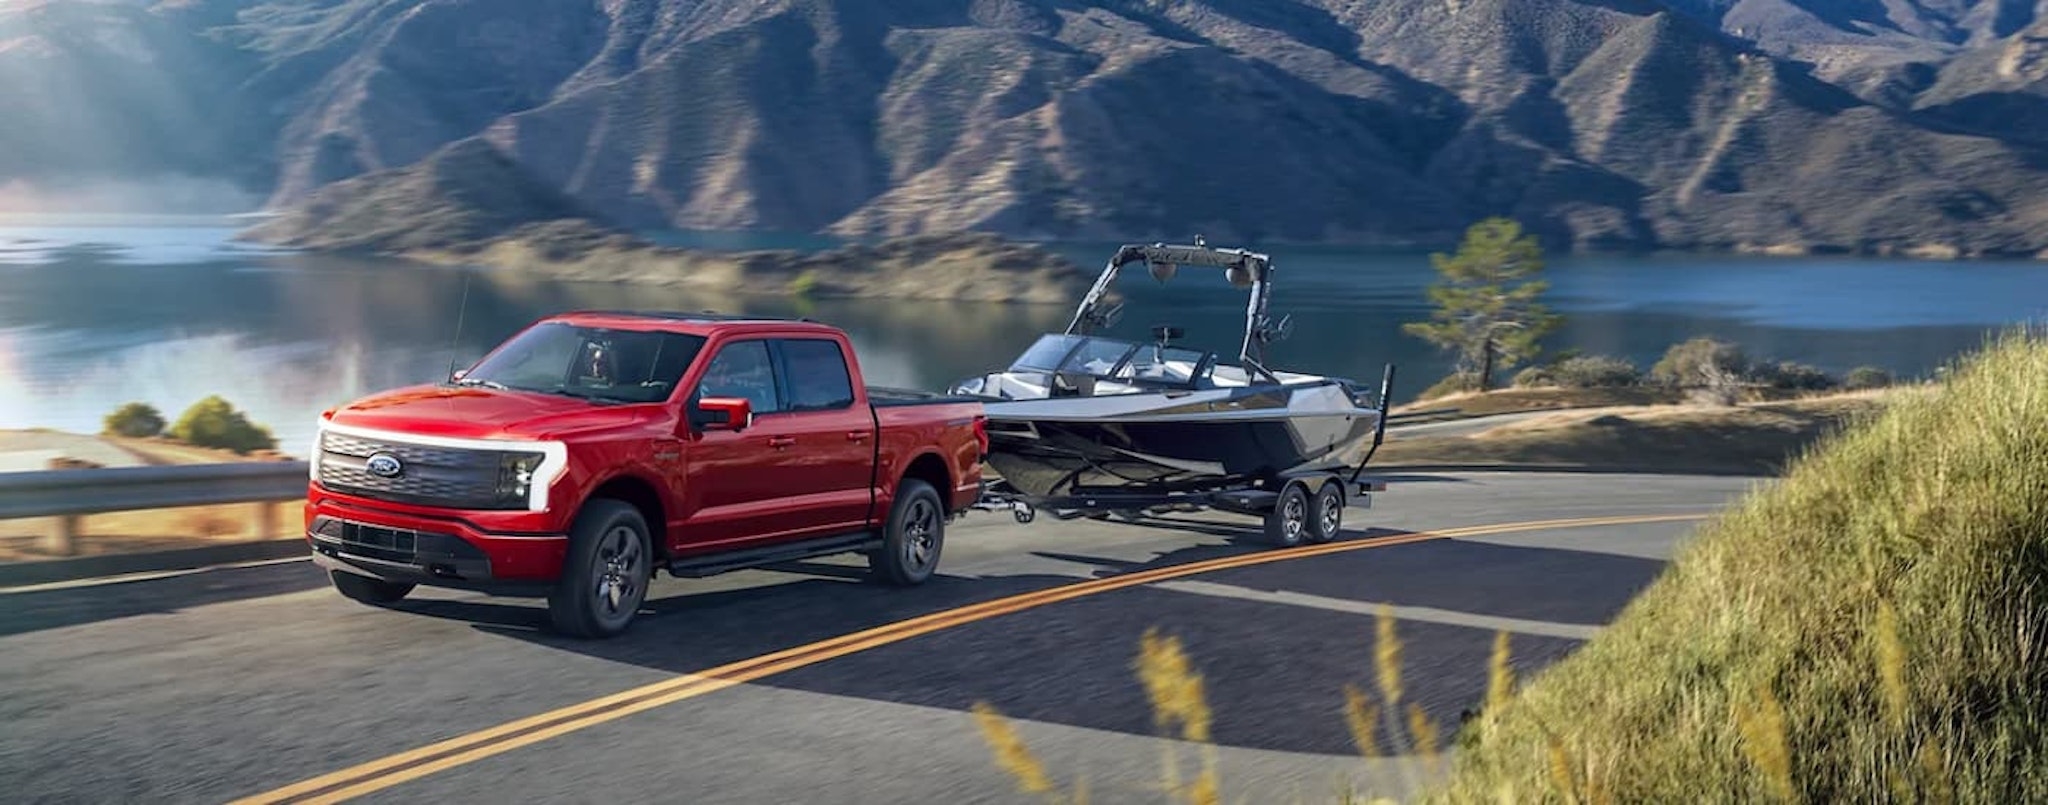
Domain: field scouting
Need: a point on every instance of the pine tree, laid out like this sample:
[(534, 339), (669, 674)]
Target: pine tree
[(1487, 311)]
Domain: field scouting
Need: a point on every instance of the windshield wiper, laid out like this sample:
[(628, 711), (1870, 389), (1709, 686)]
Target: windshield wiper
[(580, 395), (478, 381)]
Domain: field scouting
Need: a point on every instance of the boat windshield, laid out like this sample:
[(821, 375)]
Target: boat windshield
[(1110, 359), (1097, 357), (1045, 354), (1073, 354)]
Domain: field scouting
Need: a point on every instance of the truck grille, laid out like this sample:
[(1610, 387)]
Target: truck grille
[(400, 545), (437, 476)]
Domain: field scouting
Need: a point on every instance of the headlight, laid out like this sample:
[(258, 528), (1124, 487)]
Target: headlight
[(515, 476)]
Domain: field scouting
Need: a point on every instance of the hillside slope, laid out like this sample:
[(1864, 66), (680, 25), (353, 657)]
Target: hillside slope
[(1866, 630)]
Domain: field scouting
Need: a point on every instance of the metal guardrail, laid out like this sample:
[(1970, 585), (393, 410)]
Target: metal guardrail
[(58, 493), (68, 495)]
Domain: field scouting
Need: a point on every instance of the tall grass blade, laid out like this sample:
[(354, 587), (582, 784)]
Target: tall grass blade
[(1011, 753)]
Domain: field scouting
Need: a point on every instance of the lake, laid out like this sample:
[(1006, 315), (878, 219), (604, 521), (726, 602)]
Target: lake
[(95, 313)]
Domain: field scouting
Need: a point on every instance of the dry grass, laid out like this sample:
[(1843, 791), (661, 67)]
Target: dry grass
[(163, 450), (147, 530), (1556, 398), (1181, 716), (1180, 710), (1873, 628), (1516, 400), (1751, 438)]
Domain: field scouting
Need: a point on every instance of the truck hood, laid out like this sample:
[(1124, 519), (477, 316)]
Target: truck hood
[(474, 412)]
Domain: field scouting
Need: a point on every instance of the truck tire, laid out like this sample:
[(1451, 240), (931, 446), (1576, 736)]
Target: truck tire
[(375, 592), (604, 580), (912, 538), (1289, 521)]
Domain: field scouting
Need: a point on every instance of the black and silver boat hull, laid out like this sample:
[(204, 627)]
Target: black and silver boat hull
[(1177, 440)]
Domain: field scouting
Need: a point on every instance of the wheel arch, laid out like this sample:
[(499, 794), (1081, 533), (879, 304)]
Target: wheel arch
[(930, 468), (642, 494)]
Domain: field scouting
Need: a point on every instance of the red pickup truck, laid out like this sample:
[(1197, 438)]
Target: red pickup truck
[(592, 448)]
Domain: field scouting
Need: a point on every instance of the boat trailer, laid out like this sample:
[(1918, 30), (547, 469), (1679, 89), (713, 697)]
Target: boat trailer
[(1304, 507)]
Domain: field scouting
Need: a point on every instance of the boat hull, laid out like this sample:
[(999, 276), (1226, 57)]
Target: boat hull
[(1059, 446)]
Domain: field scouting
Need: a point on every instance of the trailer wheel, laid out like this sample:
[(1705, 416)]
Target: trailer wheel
[(1327, 515), (1288, 523)]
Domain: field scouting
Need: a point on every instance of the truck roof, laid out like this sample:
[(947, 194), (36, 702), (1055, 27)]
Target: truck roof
[(699, 323)]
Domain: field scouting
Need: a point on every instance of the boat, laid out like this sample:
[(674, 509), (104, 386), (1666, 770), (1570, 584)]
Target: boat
[(1081, 421)]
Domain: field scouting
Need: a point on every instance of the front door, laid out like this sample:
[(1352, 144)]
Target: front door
[(735, 487)]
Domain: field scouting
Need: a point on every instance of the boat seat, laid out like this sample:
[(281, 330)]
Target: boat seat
[(1066, 385)]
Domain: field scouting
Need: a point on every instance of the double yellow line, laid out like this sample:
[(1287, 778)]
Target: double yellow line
[(389, 771)]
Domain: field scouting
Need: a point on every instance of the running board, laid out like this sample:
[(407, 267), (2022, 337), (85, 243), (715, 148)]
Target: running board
[(697, 567)]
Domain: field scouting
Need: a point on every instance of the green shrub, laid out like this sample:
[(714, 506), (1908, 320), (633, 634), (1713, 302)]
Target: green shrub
[(803, 283), (1789, 375), (1866, 377), (1701, 362), (213, 422), (1595, 372), (1869, 629), (136, 419)]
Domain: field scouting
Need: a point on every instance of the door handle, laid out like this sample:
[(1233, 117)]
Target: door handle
[(857, 436), (779, 442)]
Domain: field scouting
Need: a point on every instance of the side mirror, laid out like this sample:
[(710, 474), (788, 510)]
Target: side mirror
[(724, 413)]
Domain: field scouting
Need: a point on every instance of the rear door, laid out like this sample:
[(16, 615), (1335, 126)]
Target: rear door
[(831, 466)]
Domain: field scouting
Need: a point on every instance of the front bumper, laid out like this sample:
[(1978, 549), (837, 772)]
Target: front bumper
[(439, 552)]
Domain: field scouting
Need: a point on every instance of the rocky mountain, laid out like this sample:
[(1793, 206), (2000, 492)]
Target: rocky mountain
[(460, 197), (1779, 125), (467, 203)]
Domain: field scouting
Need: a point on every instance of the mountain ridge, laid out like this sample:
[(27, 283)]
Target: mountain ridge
[(1698, 124), (469, 204)]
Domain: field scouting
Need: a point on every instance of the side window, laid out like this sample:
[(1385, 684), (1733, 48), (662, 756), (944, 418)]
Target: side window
[(742, 369), (818, 380)]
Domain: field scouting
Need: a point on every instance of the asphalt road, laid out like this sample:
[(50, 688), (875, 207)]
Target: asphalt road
[(230, 683)]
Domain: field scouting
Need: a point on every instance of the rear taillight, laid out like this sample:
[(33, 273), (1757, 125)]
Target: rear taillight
[(981, 432)]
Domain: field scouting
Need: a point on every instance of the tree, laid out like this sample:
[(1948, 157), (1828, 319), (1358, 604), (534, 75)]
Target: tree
[(1867, 377), (1701, 362), (1486, 308), (213, 422), (136, 419)]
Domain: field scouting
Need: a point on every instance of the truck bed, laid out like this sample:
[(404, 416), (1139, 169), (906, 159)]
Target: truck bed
[(884, 397)]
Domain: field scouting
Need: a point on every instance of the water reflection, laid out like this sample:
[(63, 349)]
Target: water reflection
[(171, 317)]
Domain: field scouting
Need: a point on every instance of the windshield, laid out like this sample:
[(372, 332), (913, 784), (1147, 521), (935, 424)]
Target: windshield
[(616, 365), (1045, 355), (1097, 357)]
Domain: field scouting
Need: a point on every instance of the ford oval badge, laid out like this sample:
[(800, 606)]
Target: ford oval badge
[(384, 465)]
